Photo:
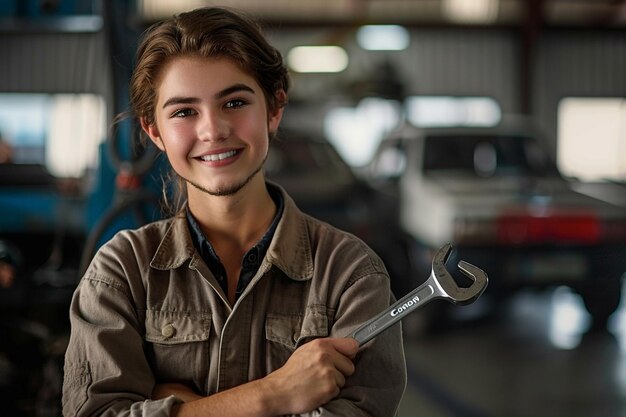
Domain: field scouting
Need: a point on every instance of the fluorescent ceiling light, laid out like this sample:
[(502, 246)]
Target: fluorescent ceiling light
[(439, 111), (471, 11), (383, 37), (159, 9), (317, 59)]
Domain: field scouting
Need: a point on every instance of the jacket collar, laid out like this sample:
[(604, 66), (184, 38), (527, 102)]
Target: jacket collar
[(290, 249), (176, 246)]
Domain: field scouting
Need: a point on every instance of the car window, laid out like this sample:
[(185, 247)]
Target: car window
[(305, 158), (486, 155)]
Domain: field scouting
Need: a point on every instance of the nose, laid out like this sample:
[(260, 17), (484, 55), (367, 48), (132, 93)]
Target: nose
[(213, 128)]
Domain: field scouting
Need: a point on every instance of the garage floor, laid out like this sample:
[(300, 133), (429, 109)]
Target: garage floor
[(531, 359)]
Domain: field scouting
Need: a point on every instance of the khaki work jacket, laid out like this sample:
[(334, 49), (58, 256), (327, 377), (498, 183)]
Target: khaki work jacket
[(148, 310)]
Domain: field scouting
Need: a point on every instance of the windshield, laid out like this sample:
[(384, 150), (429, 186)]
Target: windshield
[(487, 155), (298, 159)]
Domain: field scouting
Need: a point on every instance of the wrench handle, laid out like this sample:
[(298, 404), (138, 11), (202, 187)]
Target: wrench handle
[(396, 312)]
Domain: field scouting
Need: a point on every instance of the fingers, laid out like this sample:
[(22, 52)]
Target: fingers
[(340, 380), (338, 352), (346, 346), (314, 374), (343, 364)]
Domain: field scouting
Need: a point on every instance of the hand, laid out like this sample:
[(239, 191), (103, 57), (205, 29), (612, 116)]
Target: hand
[(180, 391), (313, 375)]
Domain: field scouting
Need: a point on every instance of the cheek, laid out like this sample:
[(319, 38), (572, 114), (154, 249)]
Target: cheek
[(253, 127), (176, 137)]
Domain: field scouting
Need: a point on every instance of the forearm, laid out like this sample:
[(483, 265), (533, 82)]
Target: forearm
[(311, 377), (253, 399), (240, 401)]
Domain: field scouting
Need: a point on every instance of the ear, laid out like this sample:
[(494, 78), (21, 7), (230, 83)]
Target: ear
[(152, 131), (276, 116)]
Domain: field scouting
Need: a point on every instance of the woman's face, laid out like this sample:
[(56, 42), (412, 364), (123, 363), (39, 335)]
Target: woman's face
[(212, 121)]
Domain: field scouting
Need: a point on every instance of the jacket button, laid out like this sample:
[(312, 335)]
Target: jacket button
[(168, 330)]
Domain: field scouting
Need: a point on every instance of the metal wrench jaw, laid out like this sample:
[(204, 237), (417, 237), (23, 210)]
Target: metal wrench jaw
[(454, 293)]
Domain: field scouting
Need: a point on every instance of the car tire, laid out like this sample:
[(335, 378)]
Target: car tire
[(601, 300)]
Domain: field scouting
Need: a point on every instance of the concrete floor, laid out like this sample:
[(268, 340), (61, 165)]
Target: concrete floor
[(533, 358)]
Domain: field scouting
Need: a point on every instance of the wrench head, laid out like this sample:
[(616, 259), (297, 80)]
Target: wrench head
[(456, 294)]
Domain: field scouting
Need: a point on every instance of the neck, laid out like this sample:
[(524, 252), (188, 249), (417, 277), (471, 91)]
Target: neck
[(240, 219)]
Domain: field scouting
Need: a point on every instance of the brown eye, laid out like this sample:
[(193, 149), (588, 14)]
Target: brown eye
[(235, 104), (183, 113)]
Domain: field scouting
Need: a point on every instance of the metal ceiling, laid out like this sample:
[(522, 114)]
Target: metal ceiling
[(576, 13)]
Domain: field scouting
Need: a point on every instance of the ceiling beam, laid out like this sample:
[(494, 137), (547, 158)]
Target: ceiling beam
[(531, 31)]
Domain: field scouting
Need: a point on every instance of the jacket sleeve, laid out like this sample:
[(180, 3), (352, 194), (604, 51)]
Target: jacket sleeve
[(379, 381), (106, 371)]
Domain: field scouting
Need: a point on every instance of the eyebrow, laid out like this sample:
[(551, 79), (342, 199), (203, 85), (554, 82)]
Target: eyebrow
[(221, 94), (234, 89)]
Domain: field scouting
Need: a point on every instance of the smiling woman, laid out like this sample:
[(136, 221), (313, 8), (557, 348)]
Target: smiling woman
[(240, 303)]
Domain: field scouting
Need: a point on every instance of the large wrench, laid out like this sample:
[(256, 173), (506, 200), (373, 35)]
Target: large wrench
[(439, 284)]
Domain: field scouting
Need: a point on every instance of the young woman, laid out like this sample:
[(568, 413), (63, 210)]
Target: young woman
[(238, 305)]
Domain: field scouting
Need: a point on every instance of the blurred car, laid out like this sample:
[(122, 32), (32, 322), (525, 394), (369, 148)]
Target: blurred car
[(323, 185), (497, 195)]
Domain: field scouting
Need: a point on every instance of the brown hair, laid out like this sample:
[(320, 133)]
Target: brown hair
[(206, 32)]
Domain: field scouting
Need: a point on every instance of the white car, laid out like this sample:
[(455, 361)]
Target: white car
[(498, 197)]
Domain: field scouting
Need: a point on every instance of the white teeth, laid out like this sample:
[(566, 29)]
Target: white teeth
[(218, 156)]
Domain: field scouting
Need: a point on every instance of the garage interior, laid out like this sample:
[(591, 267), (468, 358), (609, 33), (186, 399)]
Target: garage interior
[(548, 338)]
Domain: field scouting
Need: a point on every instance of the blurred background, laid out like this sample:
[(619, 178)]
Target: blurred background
[(496, 125)]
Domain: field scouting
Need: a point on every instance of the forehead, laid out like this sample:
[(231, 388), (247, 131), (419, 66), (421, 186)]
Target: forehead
[(194, 75)]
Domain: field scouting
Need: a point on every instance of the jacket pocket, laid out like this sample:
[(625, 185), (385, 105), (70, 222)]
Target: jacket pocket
[(286, 332), (178, 345)]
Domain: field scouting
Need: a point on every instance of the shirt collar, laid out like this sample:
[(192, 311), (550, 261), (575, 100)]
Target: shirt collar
[(289, 249), (253, 257)]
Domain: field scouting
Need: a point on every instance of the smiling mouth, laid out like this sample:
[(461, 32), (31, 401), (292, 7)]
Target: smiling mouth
[(219, 156)]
